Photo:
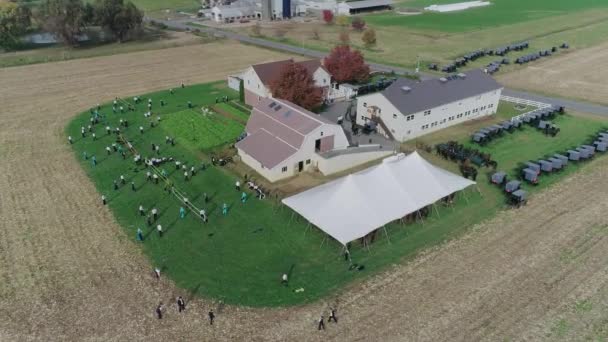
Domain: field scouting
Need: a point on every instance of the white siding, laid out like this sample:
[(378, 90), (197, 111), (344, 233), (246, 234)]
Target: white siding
[(329, 166), (440, 117), (253, 83)]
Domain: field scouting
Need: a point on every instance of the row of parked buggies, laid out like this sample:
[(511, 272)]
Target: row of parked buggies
[(537, 118), (531, 170)]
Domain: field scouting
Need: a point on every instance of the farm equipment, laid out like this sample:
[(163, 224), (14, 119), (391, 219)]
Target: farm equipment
[(556, 163), (480, 138), (530, 176), (468, 171), (533, 166), (498, 178), (545, 166), (584, 153), (518, 198), (574, 155), (512, 186), (600, 146)]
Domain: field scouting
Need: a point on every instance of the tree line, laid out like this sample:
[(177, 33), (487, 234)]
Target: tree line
[(67, 20)]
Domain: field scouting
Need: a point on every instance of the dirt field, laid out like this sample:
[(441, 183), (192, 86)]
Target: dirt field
[(69, 273), (581, 74)]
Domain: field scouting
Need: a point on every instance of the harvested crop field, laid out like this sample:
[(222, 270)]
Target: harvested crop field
[(69, 273), (580, 74)]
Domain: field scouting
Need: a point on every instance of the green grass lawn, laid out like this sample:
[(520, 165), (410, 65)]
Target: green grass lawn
[(199, 131), (239, 258), (500, 12)]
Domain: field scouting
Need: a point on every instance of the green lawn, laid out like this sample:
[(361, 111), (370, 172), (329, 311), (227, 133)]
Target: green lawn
[(198, 131), (500, 12), (239, 258), (191, 6)]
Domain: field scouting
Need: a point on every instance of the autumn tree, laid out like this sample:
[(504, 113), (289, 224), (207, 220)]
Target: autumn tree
[(328, 17), (66, 19), (14, 22), (296, 84), (346, 65), (117, 16), (369, 37), (342, 20), (358, 24)]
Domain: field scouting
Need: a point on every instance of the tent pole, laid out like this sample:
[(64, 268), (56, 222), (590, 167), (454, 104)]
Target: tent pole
[(307, 228), (386, 233), (420, 217), (436, 210)]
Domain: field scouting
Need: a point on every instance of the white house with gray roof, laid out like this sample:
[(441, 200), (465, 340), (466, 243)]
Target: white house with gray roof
[(408, 109), (284, 140)]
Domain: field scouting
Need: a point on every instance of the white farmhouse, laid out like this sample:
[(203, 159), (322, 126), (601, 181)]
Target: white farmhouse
[(408, 109), (284, 139), (258, 77)]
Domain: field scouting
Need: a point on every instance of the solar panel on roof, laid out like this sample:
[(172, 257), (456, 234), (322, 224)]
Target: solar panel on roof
[(272, 104), (277, 108), (287, 113)]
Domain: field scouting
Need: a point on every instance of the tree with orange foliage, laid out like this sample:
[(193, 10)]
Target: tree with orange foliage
[(346, 65), (296, 84)]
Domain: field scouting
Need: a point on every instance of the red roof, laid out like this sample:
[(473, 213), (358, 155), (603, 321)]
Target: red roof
[(267, 72)]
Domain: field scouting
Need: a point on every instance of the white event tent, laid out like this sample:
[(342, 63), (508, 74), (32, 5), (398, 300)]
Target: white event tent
[(351, 207)]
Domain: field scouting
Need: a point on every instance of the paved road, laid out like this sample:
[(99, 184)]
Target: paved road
[(182, 24)]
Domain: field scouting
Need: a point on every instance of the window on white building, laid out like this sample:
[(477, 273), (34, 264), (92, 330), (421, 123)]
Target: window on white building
[(409, 118), (427, 112), (307, 161), (364, 104), (394, 116), (284, 169)]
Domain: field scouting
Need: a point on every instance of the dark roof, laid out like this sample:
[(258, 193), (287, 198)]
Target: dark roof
[(267, 72), (367, 3), (431, 93)]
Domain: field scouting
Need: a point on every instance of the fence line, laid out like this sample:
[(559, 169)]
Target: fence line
[(517, 100)]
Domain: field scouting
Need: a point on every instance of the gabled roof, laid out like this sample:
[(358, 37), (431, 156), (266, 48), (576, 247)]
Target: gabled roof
[(428, 94), (267, 72), (276, 130), (266, 148)]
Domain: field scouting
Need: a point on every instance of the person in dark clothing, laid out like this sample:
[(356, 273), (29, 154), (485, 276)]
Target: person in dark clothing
[(321, 323), (211, 317), (115, 185), (133, 186), (159, 311), (181, 304), (332, 315)]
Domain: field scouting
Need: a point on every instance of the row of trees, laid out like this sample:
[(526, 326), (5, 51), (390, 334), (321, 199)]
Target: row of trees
[(67, 19), (297, 85)]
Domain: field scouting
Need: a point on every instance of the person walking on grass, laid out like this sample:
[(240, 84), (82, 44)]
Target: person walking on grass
[(159, 228), (148, 176), (123, 181), (141, 210), (159, 311), (82, 131), (140, 235), (181, 304), (115, 185), (186, 176), (85, 155), (157, 273), (205, 197), (332, 315), (94, 136), (70, 140), (141, 129), (237, 186), (103, 199), (154, 214), (94, 160), (203, 215), (108, 130), (243, 197), (108, 150), (321, 323), (211, 317), (182, 212), (133, 186), (225, 209), (155, 176), (284, 279)]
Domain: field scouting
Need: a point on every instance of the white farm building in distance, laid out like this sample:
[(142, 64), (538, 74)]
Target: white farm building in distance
[(408, 109)]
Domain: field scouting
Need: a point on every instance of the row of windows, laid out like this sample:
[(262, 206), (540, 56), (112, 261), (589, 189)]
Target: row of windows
[(458, 116)]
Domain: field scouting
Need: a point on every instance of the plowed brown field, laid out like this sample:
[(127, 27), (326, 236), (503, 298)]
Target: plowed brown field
[(68, 273)]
